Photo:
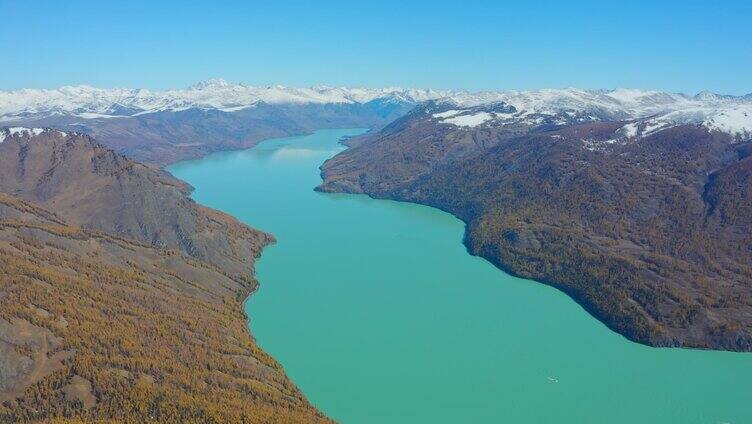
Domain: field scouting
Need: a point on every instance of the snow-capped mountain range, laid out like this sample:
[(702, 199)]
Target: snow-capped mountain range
[(732, 114), (91, 103)]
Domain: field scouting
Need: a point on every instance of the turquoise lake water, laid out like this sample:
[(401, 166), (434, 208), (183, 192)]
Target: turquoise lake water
[(379, 314)]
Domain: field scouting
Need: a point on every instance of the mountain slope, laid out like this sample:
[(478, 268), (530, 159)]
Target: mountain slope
[(91, 186), (102, 328), (641, 221), (125, 303)]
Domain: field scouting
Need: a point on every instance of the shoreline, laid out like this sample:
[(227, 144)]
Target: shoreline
[(255, 286), (279, 315), (549, 283)]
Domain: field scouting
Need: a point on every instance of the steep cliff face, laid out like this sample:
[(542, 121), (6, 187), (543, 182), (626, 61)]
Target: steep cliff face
[(121, 298), (644, 224)]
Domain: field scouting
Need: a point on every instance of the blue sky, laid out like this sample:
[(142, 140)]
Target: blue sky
[(676, 46)]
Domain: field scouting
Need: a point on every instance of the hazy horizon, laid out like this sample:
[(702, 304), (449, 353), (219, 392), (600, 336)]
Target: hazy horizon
[(480, 46), (322, 85)]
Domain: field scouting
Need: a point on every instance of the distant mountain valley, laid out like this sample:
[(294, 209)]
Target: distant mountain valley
[(162, 127)]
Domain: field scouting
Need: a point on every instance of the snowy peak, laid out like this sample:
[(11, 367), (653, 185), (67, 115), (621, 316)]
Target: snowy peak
[(660, 110), (535, 107), (8, 132), (94, 103), (211, 84), (619, 102)]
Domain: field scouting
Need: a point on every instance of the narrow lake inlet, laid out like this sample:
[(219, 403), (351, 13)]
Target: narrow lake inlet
[(379, 315)]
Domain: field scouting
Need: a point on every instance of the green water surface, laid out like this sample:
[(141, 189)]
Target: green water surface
[(379, 314)]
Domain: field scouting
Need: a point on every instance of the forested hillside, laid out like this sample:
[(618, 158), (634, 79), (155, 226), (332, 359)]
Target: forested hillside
[(648, 229)]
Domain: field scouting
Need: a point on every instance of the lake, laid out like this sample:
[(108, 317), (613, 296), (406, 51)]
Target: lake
[(379, 314)]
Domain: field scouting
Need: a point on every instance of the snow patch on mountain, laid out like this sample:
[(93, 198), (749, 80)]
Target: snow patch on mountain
[(654, 125), (629, 130), (447, 114), (656, 110), (93, 115), (736, 121), (473, 117), (472, 120), (733, 119), (606, 104), (8, 132), (25, 131)]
